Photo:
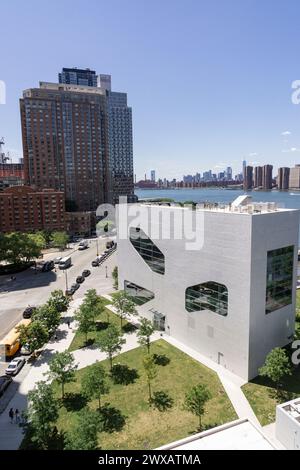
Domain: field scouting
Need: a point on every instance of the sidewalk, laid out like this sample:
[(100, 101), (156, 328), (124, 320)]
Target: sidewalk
[(11, 434)]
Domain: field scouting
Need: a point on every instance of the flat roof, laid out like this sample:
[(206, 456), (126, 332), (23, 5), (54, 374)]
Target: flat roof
[(237, 435)]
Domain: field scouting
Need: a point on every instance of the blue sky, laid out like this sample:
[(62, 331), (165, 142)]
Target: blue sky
[(209, 81)]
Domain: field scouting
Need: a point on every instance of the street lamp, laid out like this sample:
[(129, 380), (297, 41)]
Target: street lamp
[(97, 247), (106, 271), (66, 277)]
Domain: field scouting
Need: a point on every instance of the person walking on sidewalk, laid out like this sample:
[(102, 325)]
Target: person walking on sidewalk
[(11, 415), (68, 323), (17, 415)]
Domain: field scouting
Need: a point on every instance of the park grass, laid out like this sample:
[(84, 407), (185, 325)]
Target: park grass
[(102, 321), (145, 427), (261, 392)]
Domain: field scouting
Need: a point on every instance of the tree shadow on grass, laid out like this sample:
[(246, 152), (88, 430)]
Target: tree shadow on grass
[(111, 418), (122, 374), (129, 328), (74, 401), (101, 325), (289, 385), (161, 359)]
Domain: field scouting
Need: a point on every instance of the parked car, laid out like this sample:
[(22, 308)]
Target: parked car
[(15, 366), (69, 291), (28, 311), (110, 244), (5, 380), (95, 263), (80, 279), (75, 286), (57, 260), (25, 351), (86, 273)]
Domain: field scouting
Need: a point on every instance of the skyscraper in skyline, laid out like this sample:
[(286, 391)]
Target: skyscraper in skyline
[(283, 178), (267, 177), (248, 178), (258, 176), (75, 76), (153, 176)]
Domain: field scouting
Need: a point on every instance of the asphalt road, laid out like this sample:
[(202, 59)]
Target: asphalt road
[(34, 289)]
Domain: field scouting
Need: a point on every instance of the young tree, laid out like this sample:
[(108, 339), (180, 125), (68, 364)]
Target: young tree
[(58, 301), (59, 240), (115, 277), (93, 302), (35, 335), (62, 368), (123, 305), (85, 319), (276, 366), (48, 315), (94, 382), (84, 436), (145, 332), (42, 412), (151, 372), (110, 342), (196, 399)]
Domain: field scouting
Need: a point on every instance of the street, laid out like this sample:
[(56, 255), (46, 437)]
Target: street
[(32, 288)]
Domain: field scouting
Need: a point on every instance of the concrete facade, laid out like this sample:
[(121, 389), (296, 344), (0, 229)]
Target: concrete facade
[(288, 424), (233, 254)]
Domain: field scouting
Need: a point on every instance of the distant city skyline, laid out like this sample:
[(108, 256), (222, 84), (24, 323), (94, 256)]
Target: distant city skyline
[(221, 95)]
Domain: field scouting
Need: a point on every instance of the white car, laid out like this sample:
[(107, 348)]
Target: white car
[(15, 366)]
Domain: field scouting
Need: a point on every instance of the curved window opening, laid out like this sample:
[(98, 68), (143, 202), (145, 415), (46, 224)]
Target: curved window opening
[(145, 247), (207, 296), (139, 295)]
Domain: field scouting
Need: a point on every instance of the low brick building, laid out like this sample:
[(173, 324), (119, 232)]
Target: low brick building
[(24, 209), (80, 223)]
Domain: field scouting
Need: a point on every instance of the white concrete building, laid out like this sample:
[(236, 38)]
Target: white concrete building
[(233, 297), (288, 424)]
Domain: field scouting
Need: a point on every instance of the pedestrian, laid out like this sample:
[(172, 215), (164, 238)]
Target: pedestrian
[(17, 415), (11, 415), (68, 323)]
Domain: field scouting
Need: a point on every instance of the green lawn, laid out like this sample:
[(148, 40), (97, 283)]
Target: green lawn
[(105, 318), (261, 394), (145, 427)]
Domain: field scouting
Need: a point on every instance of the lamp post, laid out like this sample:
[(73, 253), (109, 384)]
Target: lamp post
[(97, 247), (66, 277), (106, 271)]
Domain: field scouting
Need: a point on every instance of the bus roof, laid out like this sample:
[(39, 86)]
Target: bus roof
[(13, 334), (63, 260)]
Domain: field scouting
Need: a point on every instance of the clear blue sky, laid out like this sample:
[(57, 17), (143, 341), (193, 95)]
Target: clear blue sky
[(209, 81)]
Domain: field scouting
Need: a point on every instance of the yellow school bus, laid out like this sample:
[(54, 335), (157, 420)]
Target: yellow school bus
[(10, 344)]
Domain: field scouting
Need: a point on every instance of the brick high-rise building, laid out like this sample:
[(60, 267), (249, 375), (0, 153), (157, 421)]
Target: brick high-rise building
[(283, 178), (24, 209), (267, 176), (248, 177), (65, 142), (78, 139), (258, 180)]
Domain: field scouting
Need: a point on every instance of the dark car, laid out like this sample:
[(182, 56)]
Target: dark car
[(95, 263), (69, 291), (75, 286), (28, 311), (86, 273), (79, 279), (110, 244), (48, 266), (5, 380)]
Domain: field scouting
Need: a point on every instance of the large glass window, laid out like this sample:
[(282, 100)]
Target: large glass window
[(279, 278), (207, 296), (139, 294), (150, 253)]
